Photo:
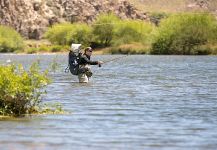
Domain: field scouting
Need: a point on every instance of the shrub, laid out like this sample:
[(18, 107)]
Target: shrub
[(129, 31), (65, 34), (20, 90), (82, 33), (103, 29), (156, 17), (10, 40), (58, 33), (184, 34)]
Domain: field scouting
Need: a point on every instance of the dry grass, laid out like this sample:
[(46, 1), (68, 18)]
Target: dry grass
[(36, 43), (168, 6), (133, 48), (160, 5)]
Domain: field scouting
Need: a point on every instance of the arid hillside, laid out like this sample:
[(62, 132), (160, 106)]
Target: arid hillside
[(175, 5), (32, 17)]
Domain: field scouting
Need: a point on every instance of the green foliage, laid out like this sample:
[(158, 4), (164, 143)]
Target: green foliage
[(103, 29), (65, 34), (156, 17), (20, 90), (82, 33), (185, 34), (10, 40), (58, 33), (129, 31)]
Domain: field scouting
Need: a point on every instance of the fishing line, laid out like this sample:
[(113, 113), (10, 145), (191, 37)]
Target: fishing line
[(114, 59)]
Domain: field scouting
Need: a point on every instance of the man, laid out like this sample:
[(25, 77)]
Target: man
[(84, 72)]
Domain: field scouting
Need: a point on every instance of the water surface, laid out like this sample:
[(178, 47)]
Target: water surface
[(139, 102)]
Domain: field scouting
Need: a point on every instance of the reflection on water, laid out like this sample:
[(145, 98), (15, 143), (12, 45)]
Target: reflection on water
[(139, 102)]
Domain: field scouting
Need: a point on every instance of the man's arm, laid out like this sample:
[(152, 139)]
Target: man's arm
[(86, 60)]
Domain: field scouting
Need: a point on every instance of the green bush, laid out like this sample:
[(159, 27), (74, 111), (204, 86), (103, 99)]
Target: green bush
[(65, 34), (82, 33), (156, 17), (10, 40), (20, 90), (185, 34), (58, 33), (129, 31), (103, 29)]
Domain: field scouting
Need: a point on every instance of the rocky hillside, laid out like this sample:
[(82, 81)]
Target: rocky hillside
[(32, 17), (176, 5)]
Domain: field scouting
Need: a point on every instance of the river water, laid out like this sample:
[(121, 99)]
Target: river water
[(135, 103)]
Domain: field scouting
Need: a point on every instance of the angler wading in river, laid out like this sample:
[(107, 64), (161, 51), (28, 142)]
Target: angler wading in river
[(79, 64)]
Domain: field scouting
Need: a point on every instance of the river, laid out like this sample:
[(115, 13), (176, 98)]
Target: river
[(135, 103)]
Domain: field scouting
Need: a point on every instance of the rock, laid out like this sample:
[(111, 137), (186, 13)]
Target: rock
[(32, 17), (199, 5)]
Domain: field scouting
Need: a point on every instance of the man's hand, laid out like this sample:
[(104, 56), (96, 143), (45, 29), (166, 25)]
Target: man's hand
[(100, 62)]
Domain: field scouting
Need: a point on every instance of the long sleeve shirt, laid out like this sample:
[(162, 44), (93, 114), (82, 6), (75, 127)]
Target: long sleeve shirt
[(85, 60)]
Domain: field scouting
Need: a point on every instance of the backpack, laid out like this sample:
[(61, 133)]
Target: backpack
[(74, 59), (74, 63)]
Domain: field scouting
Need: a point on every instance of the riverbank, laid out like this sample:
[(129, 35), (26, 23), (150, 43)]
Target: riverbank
[(177, 34), (45, 47)]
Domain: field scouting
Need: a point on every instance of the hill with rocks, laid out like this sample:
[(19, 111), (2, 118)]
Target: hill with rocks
[(32, 17)]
